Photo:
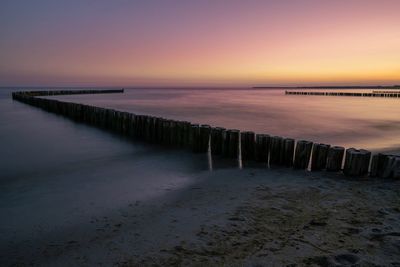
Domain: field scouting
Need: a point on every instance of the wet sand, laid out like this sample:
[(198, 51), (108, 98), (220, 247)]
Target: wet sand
[(279, 218), (249, 217)]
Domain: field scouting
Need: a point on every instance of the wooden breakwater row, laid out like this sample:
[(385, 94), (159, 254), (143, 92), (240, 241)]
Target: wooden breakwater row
[(386, 92), (226, 143), (65, 92), (376, 94)]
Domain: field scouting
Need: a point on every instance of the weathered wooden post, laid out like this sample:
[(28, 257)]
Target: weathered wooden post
[(377, 165), (125, 124), (390, 167), (179, 133), (172, 134), (335, 159), (275, 151), (395, 167), (150, 129), (107, 117), (217, 139), (160, 130), (118, 118), (103, 116), (247, 140), (204, 141), (356, 162), (225, 144), (146, 128), (302, 155), (155, 130), (141, 127), (187, 126), (166, 132), (195, 137), (131, 127), (288, 152), (135, 126), (319, 156), (231, 144), (113, 118), (262, 147)]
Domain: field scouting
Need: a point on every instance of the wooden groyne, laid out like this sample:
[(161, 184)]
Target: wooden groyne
[(226, 143), (386, 92), (373, 94)]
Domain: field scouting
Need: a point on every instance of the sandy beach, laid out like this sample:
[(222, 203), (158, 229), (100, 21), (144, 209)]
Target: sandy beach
[(249, 217)]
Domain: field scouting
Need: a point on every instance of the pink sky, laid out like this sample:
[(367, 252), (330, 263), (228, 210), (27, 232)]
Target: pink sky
[(199, 43)]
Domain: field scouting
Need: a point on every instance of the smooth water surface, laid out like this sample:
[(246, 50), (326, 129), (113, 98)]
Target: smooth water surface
[(360, 122)]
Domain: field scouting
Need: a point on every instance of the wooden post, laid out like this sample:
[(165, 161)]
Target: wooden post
[(172, 135), (146, 128), (204, 141), (225, 144), (288, 152), (217, 139), (335, 159), (262, 147), (158, 130), (136, 126), (356, 162), (391, 167), (118, 118), (166, 132), (275, 152), (114, 122), (150, 129), (247, 145), (131, 124), (187, 126), (377, 165), (231, 144), (319, 156), (179, 133), (107, 117), (303, 153), (396, 167), (194, 137), (142, 126)]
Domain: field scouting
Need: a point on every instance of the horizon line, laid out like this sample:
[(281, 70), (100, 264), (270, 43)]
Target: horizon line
[(209, 86)]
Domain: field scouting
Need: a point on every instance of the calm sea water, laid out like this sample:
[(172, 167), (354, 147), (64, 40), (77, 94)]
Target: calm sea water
[(369, 123), (56, 176)]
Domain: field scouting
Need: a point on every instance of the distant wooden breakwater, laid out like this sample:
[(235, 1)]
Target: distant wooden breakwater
[(392, 94), (226, 143)]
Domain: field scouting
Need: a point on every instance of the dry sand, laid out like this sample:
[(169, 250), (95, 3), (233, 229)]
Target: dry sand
[(249, 217)]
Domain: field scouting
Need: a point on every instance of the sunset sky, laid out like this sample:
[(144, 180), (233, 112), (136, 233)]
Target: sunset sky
[(199, 42)]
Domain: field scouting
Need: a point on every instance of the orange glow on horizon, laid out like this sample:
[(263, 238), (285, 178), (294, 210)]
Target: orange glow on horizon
[(337, 43)]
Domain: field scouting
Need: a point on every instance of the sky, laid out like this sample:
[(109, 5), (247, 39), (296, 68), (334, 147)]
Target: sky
[(199, 42)]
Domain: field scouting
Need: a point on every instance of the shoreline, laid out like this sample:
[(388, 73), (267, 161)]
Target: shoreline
[(240, 218)]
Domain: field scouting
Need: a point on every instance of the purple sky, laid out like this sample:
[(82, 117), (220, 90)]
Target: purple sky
[(196, 43)]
